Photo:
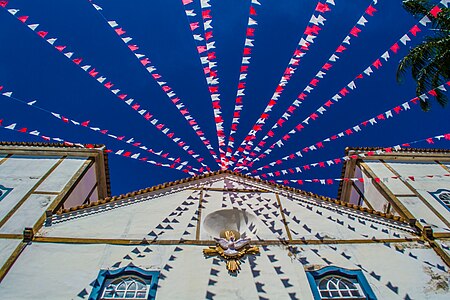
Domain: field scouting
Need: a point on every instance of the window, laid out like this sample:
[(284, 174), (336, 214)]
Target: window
[(333, 287), (339, 283), (126, 287), (125, 283), (443, 196)]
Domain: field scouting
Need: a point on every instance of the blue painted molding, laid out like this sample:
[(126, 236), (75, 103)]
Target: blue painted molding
[(4, 191), (151, 276), (435, 196), (357, 275)]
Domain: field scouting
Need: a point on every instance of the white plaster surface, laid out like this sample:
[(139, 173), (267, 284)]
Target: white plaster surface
[(131, 221), (27, 214), (62, 174), (374, 197), (21, 173), (187, 274), (411, 275), (445, 245), (174, 216), (314, 222), (7, 247), (381, 171), (422, 212)]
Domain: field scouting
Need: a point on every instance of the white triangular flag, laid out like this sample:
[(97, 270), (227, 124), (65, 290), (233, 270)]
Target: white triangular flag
[(362, 21), (33, 26)]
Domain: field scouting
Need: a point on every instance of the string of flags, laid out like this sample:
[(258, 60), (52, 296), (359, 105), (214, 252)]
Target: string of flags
[(252, 24), (330, 181), (310, 33), (95, 74), (406, 106), (249, 152), (335, 56), (158, 78), (376, 65), (205, 41), (87, 124), (339, 160), (123, 153)]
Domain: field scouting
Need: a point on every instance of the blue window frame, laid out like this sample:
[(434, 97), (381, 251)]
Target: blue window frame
[(443, 197), (125, 283), (339, 283)]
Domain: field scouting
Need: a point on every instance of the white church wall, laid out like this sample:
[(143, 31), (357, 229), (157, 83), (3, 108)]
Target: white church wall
[(27, 214), (124, 220), (424, 186), (59, 178), (375, 198), (393, 271), (7, 247), (444, 244), (324, 221), (381, 171), (22, 173), (253, 203)]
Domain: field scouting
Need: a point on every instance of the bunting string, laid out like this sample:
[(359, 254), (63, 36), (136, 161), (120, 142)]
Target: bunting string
[(95, 74), (330, 181), (243, 72), (158, 78), (376, 65), (406, 106), (122, 153), (87, 124), (310, 33), (339, 160), (205, 42), (342, 47)]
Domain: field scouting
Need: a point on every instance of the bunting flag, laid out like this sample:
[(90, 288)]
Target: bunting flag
[(377, 64), (310, 33), (243, 72), (330, 181), (95, 74), (339, 160), (122, 153), (342, 47), (406, 106), (87, 124), (205, 42), (156, 75)]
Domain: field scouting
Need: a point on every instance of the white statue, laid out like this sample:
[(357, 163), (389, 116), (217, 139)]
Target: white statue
[(231, 246)]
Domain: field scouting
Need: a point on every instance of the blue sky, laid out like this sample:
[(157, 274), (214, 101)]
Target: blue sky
[(34, 70)]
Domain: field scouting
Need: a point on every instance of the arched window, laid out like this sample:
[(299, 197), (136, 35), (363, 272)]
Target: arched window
[(126, 287), (125, 283), (338, 283), (336, 287)]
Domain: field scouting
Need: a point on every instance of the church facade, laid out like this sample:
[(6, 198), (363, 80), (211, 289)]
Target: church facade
[(223, 235)]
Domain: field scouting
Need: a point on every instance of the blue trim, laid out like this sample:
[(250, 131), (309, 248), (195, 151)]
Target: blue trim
[(149, 276), (314, 276), (4, 191), (434, 194)]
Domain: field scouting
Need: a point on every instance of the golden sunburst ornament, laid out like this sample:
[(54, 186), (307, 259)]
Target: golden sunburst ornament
[(231, 247)]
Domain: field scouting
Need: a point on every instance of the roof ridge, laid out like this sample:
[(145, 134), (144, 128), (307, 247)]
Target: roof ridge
[(436, 150), (57, 145)]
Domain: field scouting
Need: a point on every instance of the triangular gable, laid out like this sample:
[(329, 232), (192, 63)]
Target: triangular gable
[(179, 213)]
